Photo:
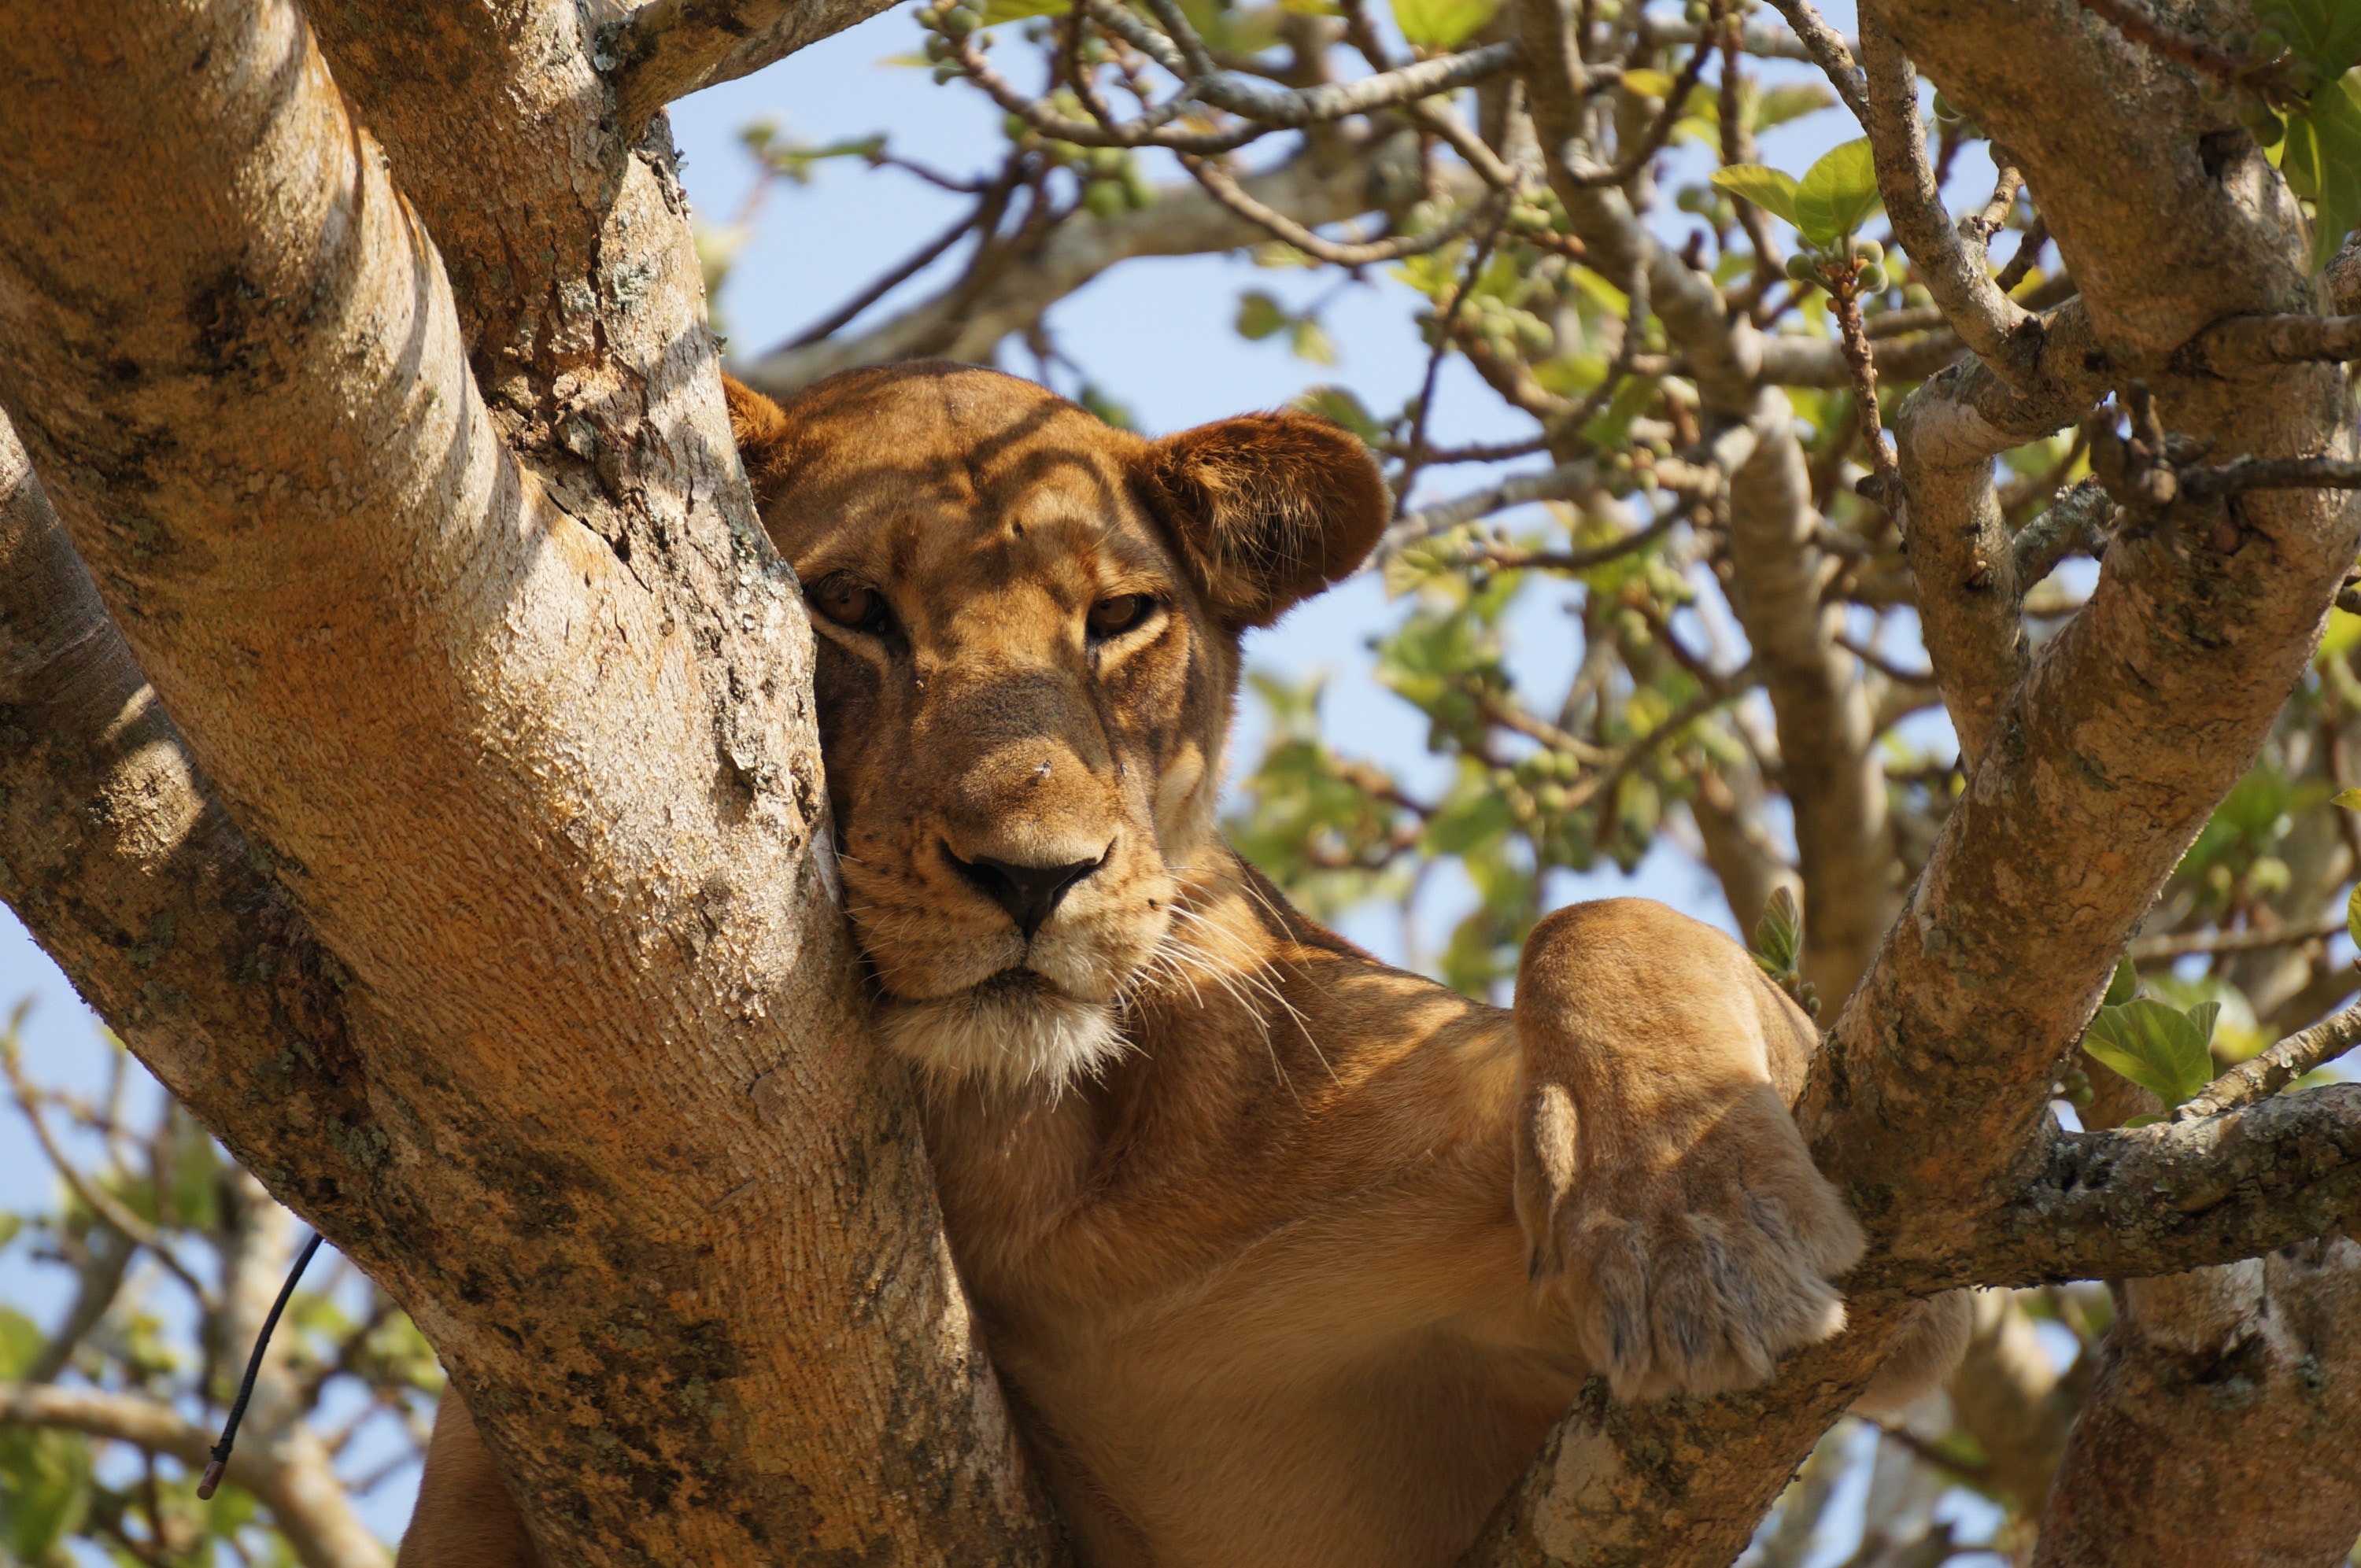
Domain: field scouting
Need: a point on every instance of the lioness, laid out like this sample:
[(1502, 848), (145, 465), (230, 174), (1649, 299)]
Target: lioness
[(1292, 1257)]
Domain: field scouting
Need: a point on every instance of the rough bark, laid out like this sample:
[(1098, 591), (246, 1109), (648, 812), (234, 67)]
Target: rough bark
[(669, 48), (2220, 1431), (572, 1067), (2105, 761)]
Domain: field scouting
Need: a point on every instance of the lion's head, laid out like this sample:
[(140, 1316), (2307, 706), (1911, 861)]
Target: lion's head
[(1028, 625)]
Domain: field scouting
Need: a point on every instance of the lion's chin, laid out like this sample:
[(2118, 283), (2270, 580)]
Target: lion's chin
[(1013, 1032)]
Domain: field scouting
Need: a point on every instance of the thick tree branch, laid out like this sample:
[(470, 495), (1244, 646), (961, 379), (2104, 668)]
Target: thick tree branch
[(1828, 51), (2142, 1201), (1948, 432), (2001, 332), (2126, 729), (2211, 1434), (1826, 738), (563, 846), (669, 48)]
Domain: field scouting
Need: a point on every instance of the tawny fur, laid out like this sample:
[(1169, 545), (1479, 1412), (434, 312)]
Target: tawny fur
[(1293, 1258)]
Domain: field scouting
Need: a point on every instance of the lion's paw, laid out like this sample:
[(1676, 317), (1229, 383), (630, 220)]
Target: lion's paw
[(1694, 1274)]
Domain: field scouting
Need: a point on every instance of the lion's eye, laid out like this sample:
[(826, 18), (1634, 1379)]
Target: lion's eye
[(849, 602), (1113, 617)]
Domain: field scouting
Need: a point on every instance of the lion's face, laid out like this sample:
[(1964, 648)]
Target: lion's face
[(1028, 628)]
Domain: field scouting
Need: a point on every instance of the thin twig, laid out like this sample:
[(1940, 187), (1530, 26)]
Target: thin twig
[(2277, 1067), (1499, 453), (1416, 457), (1507, 558), (908, 268), (1560, 483), (2187, 944), (1846, 297), (1659, 131), (1219, 184), (1262, 107), (2028, 251), (2255, 343), (2272, 474), (1826, 47)]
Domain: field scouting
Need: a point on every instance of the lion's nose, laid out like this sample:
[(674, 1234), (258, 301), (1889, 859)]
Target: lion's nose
[(1029, 892)]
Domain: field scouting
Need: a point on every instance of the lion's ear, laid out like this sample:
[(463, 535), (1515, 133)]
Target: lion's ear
[(1268, 509), (766, 438)]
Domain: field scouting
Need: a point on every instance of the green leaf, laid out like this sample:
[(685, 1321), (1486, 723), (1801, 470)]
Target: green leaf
[(1310, 341), (998, 11), (1767, 188), (1788, 101), (44, 1488), (1779, 935), (1341, 406), (1572, 375), (1837, 193), (20, 1340), (2323, 162), (1109, 409), (2159, 1047), (2325, 32), (1441, 24), (1260, 316), (2352, 914), (2124, 985)]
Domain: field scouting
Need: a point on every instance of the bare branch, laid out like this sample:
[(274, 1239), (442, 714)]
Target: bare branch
[(1629, 160), (1826, 47), (2277, 1067), (2184, 944), (669, 48), (2076, 521), (1219, 184), (1989, 321), (1564, 482), (109, 1210), (1764, 43), (2272, 474), (2135, 1203), (1316, 186), (1507, 558), (1792, 361), (1262, 106)]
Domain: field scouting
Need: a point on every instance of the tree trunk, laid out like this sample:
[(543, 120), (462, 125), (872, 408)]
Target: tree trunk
[(562, 1045)]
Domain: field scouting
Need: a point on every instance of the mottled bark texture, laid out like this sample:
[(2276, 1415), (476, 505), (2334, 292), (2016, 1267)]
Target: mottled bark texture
[(512, 961), (2094, 761), (2221, 1431)]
